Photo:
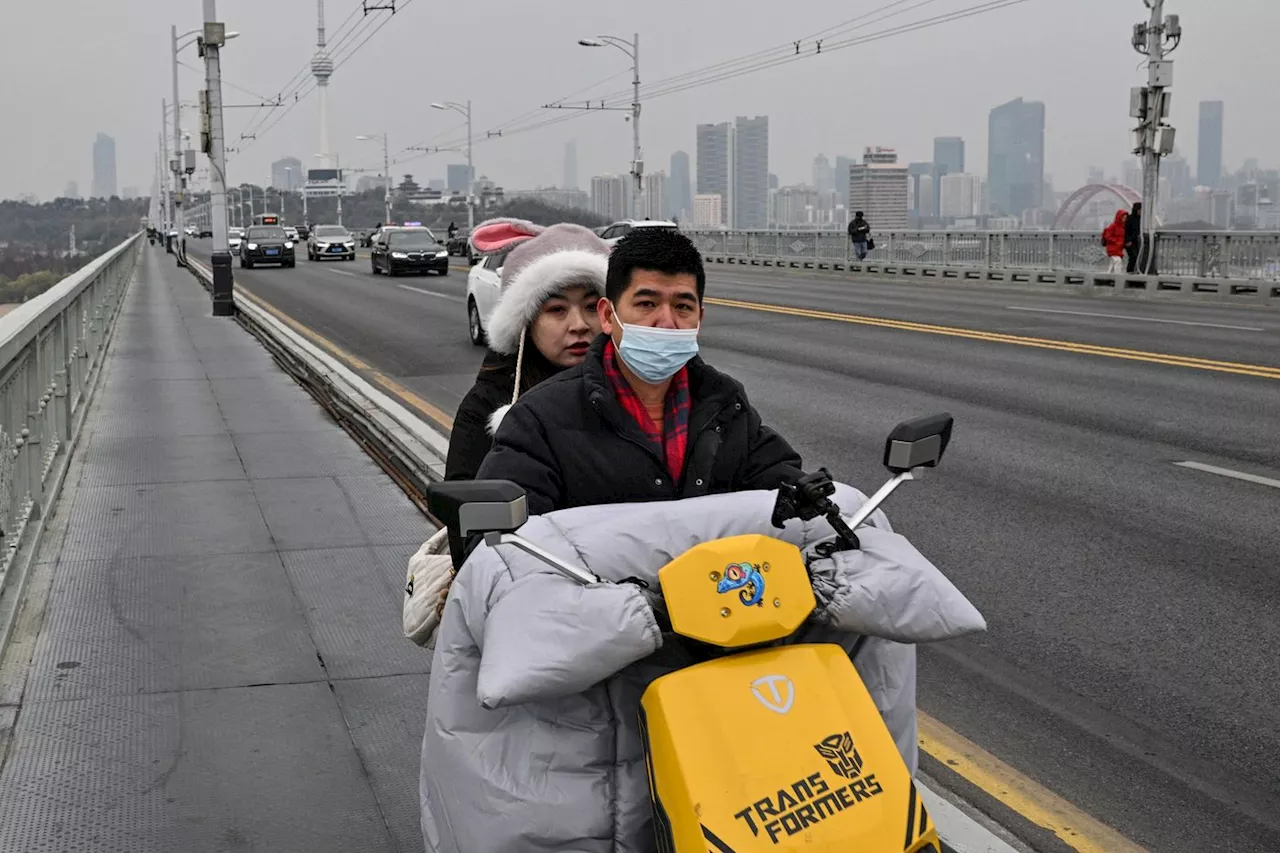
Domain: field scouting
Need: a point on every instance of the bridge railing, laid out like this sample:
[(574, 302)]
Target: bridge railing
[(1237, 255), (51, 353)]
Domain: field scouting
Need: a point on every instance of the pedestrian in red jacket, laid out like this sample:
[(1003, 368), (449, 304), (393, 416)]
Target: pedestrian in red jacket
[(1113, 239)]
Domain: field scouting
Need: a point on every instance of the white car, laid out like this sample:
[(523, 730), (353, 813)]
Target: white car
[(291, 233), (331, 241), (234, 237), (615, 232), (484, 283)]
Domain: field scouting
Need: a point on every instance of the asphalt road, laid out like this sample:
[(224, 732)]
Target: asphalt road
[(1133, 603)]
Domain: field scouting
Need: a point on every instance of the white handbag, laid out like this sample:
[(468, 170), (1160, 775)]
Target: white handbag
[(427, 586)]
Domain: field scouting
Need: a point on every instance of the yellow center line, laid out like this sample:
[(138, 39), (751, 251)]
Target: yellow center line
[(433, 413), (1259, 370), (1033, 801)]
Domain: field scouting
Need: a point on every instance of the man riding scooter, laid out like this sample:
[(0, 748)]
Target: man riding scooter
[(532, 739), (643, 418)]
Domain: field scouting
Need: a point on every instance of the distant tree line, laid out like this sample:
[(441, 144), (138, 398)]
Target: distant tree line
[(365, 210), (35, 246)]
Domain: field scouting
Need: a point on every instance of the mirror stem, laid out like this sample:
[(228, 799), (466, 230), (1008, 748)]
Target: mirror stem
[(873, 503), (573, 573)]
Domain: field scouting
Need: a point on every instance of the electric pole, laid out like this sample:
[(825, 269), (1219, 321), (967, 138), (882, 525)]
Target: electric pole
[(1150, 104), (212, 38), (179, 181), (166, 208), (637, 162)]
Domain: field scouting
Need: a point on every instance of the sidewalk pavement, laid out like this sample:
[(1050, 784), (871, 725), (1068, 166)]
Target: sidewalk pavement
[(210, 657)]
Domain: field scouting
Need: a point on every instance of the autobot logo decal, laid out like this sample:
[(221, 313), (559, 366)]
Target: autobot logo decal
[(841, 755), (813, 799), (746, 579)]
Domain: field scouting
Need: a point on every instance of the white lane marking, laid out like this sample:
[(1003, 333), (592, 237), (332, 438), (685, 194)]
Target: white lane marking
[(344, 272), (448, 296), (1227, 472), (1129, 317), (960, 831)]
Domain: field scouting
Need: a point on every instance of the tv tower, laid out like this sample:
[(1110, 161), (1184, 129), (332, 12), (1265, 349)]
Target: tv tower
[(322, 68)]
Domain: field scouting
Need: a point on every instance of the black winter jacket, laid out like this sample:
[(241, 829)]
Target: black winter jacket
[(469, 440), (570, 443)]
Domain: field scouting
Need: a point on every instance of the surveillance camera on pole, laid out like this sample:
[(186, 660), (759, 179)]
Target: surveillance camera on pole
[(1150, 105)]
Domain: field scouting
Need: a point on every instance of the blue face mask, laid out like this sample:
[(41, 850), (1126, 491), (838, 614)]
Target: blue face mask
[(655, 355)]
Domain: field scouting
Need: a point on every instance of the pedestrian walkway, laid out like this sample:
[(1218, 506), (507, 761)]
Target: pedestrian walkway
[(210, 658)]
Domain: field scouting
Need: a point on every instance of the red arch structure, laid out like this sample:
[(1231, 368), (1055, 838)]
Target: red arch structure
[(1072, 206)]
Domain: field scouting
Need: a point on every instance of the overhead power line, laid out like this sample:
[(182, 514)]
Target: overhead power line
[(344, 49), (733, 68)]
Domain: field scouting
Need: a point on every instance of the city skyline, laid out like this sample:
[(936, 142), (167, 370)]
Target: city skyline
[(1088, 108)]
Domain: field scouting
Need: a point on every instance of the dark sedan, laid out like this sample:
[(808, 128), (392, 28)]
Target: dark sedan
[(408, 250), (266, 244)]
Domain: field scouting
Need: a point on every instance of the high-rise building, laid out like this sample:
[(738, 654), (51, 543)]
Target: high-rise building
[(961, 196), (879, 187), (843, 165), (1015, 157), (129, 193), (72, 190), (458, 177), (1097, 175), (655, 195), (1131, 175), (715, 162), (1209, 157), (368, 183), (796, 207), (927, 196), (679, 188), (104, 166), (919, 188), (751, 173), (948, 155), (824, 176), (708, 210), (610, 197), (571, 165), (286, 174), (1178, 171)]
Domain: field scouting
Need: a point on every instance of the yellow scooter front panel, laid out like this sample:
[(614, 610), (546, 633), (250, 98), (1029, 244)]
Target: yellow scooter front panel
[(738, 591), (781, 749)]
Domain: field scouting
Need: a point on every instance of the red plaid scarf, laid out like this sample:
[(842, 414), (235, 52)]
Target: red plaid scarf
[(673, 440)]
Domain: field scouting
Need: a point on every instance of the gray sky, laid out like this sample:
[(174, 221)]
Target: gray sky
[(76, 67)]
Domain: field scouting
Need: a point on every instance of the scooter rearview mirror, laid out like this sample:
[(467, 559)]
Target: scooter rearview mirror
[(918, 443), (468, 507)]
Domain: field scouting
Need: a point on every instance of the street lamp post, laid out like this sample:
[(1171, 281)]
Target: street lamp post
[(471, 169), (212, 37), (631, 49), (386, 174)]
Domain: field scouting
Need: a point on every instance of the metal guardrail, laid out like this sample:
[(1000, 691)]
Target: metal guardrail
[(1234, 255), (51, 354)]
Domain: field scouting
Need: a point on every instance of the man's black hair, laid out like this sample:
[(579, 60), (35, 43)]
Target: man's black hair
[(661, 250)]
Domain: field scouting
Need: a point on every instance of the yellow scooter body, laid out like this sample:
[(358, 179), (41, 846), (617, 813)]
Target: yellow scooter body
[(774, 749)]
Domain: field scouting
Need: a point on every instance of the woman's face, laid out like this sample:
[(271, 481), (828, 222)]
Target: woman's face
[(566, 325)]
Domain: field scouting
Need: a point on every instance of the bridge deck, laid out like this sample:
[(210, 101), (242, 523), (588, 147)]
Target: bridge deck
[(210, 656)]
